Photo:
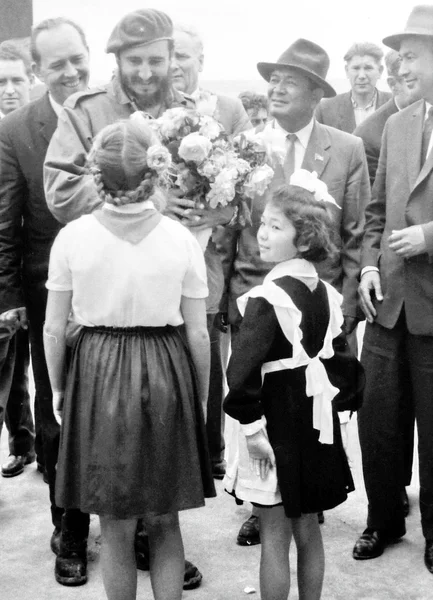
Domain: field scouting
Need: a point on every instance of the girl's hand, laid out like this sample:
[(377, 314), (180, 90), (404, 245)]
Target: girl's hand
[(58, 406), (262, 457)]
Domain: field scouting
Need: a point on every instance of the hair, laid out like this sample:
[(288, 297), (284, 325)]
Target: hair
[(118, 162), (392, 62), (251, 100), (48, 24), (11, 51), (310, 218), (193, 34), (363, 48)]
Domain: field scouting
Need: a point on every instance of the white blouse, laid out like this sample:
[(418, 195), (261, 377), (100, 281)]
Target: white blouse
[(119, 284)]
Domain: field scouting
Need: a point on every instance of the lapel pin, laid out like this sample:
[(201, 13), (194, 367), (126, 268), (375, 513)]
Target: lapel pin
[(318, 157)]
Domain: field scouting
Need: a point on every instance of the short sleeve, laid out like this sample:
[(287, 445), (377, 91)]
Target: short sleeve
[(59, 272), (194, 283)]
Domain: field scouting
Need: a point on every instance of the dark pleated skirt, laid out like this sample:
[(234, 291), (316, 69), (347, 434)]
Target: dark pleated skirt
[(133, 437)]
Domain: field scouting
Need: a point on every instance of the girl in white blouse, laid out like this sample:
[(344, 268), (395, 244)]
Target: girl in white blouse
[(132, 398)]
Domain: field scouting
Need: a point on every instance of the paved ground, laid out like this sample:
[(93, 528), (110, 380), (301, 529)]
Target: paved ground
[(26, 562)]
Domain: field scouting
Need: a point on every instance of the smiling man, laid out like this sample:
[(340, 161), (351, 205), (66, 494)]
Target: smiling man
[(396, 292), (60, 59), (363, 66)]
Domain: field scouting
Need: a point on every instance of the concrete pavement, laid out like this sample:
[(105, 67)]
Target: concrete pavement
[(27, 563)]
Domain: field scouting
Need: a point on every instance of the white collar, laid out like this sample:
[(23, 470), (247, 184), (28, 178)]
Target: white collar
[(303, 134), (57, 108), (299, 268), (134, 208), (427, 108)]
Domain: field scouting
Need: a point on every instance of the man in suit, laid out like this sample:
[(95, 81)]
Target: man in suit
[(296, 84), (142, 43), (60, 59), (16, 80), (363, 69), (396, 292), (371, 130), (187, 64)]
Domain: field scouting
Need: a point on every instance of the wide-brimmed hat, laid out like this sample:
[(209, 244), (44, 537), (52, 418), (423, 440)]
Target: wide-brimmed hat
[(306, 57), (419, 23), (138, 28)]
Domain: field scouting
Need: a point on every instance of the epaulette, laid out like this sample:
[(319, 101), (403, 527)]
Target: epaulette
[(77, 98)]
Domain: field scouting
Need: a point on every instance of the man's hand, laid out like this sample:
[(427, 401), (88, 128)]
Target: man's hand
[(58, 406), (203, 216), (370, 282), (15, 318), (262, 456), (408, 242), (350, 324), (177, 205)]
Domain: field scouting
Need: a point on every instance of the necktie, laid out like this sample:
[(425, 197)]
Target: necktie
[(289, 161), (426, 135)]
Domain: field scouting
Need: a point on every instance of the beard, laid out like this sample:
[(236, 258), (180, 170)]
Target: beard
[(146, 100)]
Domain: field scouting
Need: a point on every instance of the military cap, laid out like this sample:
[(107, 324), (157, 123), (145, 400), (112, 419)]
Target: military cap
[(138, 28)]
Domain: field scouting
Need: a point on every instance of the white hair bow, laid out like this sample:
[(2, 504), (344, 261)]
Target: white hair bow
[(309, 181)]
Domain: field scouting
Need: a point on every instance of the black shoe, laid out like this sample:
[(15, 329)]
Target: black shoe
[(219, 470), (192, 576), (71, 562), (249, 533), (15, 464), (370, 544), (406, 505), (55, 541), (428, 555), (320, 517)]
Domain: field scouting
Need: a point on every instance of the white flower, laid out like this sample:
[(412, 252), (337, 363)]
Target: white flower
[(206, 103), (223, 189), (209, 127), (158, 158), (258, 181), (194, 147), (209, 169), (172, 121), (309, 181)]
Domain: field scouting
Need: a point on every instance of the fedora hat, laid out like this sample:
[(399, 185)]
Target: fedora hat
[(307, 58), (419, 23)]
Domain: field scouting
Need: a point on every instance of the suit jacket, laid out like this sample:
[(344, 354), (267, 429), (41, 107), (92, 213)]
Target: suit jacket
[(27, 228), (338, 111), (339, 160), (402, 196), (371, 130)]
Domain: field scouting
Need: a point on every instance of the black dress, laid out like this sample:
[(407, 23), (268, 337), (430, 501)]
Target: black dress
[(311, 476)]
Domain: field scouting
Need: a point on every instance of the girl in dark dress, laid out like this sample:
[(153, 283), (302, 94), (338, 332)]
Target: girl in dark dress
[(290, 347)]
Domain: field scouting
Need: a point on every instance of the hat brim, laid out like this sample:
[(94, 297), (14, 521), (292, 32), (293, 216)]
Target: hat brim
[(394, 41), (266, 69)]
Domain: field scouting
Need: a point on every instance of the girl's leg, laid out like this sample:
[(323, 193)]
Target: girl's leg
[(275, 535), (167, 562), (311, 557), (119, 571)]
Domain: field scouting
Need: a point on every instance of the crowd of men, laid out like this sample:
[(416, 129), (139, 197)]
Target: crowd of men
[(371, 148)]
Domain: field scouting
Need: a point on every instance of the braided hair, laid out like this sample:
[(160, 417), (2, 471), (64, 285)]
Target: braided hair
[(118, 163)]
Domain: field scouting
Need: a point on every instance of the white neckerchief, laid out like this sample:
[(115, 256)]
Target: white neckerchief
[(289, 318)]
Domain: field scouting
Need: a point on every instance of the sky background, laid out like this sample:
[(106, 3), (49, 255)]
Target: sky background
[(239, 33)]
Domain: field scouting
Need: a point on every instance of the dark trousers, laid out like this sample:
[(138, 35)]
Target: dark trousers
[(215, 415), (14, 391), (399, 382), (36, 300)]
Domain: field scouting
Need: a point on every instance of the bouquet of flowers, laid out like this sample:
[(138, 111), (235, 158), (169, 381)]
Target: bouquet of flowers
[(205, 165)]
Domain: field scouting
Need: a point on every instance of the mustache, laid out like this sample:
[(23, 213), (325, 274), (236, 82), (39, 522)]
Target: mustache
[(152, 79)]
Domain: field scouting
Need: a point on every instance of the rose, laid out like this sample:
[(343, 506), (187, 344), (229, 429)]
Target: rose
[(194, 147), (158, 158), (209, 169), (172, 121), (223, 188), (209, 128), (258, 181)]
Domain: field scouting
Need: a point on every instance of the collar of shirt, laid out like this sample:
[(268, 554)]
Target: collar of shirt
[(371, 104), (57, 108), (1, 115), (427, 108), (301, 143), (299, 268), (134, 208)]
